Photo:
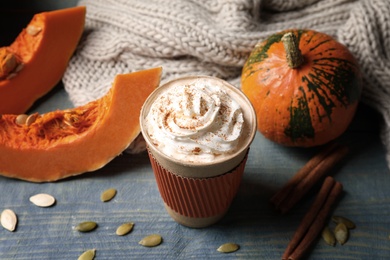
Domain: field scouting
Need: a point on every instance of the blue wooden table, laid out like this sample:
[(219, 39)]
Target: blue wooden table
[(261, 232)]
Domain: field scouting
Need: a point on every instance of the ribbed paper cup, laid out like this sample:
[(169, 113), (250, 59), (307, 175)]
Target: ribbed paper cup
[(197, 202), (199, 194)]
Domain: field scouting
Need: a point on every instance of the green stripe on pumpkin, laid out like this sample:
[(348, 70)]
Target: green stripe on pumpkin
[(260, 52), (332, 79), (300, 125), (344, 83)]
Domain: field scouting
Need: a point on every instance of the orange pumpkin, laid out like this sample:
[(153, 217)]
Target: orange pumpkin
[(35, 62), (304, 85), (60, 144)]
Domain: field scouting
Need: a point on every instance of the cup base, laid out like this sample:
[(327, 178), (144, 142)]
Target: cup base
[(193, 222)]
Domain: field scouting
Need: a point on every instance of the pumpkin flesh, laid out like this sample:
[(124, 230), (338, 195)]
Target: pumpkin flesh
[(64, 143), (42, 50), (305, 106)]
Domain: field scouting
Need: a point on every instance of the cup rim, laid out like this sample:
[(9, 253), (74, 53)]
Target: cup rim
[(238, 93)]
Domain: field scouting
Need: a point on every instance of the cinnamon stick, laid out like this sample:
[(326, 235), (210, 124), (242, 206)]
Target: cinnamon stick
[(304, 186), (318, 223), (310, 216), (302, 182), (283, 193)]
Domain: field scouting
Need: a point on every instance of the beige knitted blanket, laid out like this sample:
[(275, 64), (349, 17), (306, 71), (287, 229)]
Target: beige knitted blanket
[(214, 37)]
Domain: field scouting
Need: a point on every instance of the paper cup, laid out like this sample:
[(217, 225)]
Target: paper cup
[(199, 194)]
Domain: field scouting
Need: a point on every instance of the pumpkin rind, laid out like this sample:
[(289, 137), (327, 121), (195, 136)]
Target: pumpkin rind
[(305, 106), (44, 56), (64, 143)]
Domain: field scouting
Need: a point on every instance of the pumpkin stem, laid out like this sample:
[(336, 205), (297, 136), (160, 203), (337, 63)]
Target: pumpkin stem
[(293, 53)]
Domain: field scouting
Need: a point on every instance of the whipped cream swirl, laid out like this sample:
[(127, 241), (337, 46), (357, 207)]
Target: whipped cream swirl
[(195, 122)]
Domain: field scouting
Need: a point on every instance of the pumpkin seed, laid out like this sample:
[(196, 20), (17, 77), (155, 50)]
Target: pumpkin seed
[(31, 119), (339, 219), (33, 30), (8, 62), (19, 67), (341, 233), (151, 240), (328, 236), (86, 226), (228, 248), (21, 119), (70, 118), (8, 219), (11, 75), (124, 228), (43, 200), (108, 195), (87, 255)]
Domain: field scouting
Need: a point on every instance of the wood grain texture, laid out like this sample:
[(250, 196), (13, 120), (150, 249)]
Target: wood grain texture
[(261, 232)]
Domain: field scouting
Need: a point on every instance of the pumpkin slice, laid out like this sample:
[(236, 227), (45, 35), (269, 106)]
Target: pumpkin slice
[(35, 62), (59, 144)]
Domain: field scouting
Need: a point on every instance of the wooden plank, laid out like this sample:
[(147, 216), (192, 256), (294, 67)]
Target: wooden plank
[(262, 233)]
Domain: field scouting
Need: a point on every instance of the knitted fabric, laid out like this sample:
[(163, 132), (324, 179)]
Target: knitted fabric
[(215, 37)]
